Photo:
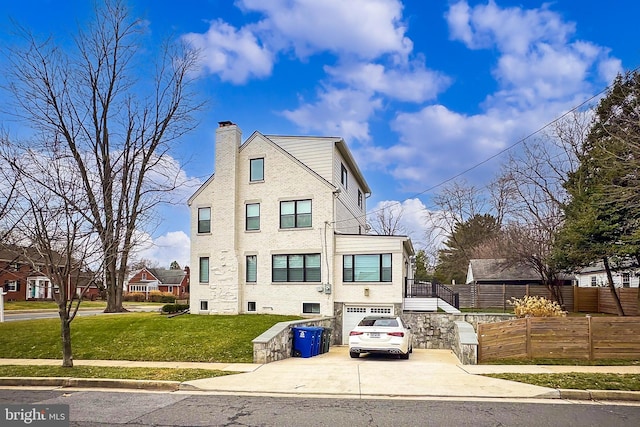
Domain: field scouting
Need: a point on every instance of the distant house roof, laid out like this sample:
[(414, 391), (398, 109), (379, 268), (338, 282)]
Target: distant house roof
[(498, 269), (168, 277)]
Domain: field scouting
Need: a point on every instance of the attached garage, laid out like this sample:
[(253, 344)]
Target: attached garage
[(353, 314)]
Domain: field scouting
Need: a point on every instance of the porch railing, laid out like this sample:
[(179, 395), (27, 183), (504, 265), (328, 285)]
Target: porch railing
[(416, 289)]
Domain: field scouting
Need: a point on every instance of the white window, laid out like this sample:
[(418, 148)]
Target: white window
[(366, 268), (344, 177), (593, 281), (204, 270), (252, 268), (311, 307), (626, 280), (204, 305), (204, 220), (12, 286), (296, 268), (256, 167), (251, 306), (253, 216), (295, 214)]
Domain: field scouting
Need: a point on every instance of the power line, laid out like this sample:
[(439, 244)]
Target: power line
[(488, 159)]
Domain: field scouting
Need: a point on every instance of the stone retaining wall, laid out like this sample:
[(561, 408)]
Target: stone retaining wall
[(277, 342)]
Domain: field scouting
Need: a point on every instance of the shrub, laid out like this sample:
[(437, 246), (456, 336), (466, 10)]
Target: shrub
[(165, 297), (134, 296), (174, 308), (536, 306)]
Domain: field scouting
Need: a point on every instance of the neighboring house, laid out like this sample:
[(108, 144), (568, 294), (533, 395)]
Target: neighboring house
[(173, 281), (281, 228), (595, 275), (22, 278), (497, 272)]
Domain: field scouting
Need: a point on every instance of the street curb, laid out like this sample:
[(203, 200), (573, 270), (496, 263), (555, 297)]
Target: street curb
[(90, 382), (599, 395)]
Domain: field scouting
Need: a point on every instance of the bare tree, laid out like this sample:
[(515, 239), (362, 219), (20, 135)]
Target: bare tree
[(51, 233), (387, 220), (532, 183), (86, 103)]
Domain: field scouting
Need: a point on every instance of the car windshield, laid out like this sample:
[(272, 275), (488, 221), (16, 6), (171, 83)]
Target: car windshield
[(378, 322)]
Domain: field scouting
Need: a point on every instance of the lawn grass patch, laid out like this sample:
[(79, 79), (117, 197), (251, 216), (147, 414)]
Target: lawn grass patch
[(140, 336), (156, 374), (577, 380)]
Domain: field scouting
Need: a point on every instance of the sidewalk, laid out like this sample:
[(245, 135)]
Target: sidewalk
[(428, 374)]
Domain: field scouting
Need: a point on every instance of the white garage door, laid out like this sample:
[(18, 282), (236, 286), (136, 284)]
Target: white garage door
[(354, 314)]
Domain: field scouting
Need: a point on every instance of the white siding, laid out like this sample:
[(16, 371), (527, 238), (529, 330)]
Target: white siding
[(315, 153)]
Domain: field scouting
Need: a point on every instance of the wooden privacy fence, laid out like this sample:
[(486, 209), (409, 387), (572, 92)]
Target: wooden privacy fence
[(589, 338), (497, 296), (600, 300)]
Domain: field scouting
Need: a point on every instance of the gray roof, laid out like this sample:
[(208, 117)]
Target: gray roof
[(168, 277), (498, 269)]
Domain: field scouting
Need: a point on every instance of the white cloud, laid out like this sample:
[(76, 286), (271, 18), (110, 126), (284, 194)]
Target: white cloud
[(339, 112), (363, 28), (236, 55), (412, 83)]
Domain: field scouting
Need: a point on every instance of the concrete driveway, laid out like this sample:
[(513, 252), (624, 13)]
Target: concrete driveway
[(428, 373)]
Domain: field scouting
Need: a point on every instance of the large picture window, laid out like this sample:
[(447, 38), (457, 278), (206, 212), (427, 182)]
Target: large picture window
[(253, 217), (252, 268), (366, 268), (296, 268), (204, 220), (204, 270), (257, 170), (295, 214)]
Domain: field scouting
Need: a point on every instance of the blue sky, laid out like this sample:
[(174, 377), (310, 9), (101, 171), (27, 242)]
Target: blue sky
[(420, 90)]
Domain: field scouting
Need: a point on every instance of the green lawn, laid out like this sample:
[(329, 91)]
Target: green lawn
[(140, 336), (577, 381), (157, 374), (51, 305)]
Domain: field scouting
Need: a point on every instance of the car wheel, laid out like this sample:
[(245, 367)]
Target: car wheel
[(354, 355), (404, 356), (411, 349)]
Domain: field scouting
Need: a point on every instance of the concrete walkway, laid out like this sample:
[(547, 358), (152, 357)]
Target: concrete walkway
[(427, 374)]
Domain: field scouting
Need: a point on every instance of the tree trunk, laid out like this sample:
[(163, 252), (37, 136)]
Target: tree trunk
[(612, 288), (65, 326)]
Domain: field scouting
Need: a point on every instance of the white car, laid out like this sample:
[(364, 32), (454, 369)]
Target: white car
[(380, 334)]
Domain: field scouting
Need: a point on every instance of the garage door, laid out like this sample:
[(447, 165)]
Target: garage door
[(354, 314)]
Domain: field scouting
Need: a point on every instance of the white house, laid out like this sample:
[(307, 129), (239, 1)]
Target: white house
[(281, 228), (595, 275)]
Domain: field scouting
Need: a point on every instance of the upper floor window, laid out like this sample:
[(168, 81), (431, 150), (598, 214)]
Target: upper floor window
[(295, 214), (12, 286), (343, 175), (366, 268), (256, 170), (593, 281), (143, 276), (204, 270), (252, 268), (626, 280), (204, 220), (359, 198), (296, 268), (253, 217)]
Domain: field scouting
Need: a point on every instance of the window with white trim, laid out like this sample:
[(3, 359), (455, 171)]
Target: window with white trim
[(204, 220), (626, 280), (204, 305), (296, 268), (311, 307), (252, 268), (344, 176), (594, 281), (256, 167), (252, 221), (251, 306), (295, 214), (204, 270), (366, 268), (359, 198), (12, 286)]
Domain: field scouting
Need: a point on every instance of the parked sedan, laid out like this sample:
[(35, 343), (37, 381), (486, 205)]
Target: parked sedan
[(380, 334)]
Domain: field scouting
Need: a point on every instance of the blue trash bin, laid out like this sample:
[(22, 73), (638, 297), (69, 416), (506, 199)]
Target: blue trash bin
[(317, 344), (304, 341)]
